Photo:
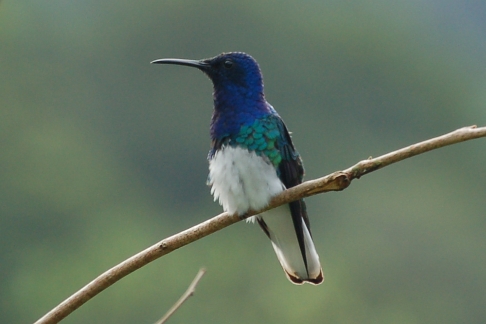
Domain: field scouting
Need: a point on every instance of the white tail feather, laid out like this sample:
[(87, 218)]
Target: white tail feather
[(284, 239)]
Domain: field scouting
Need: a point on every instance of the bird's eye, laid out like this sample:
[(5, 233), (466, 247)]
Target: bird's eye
[(228, 64)]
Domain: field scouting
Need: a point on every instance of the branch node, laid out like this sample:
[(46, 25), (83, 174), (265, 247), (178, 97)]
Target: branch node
[(163, 245), (343, 180)]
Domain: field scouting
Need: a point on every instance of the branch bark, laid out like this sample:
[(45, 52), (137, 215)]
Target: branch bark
[(335, 181)]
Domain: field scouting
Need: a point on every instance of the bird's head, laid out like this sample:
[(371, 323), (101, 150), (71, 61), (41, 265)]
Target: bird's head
[(232, 74)]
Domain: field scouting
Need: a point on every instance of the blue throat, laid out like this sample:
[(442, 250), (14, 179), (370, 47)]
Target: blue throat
[(234, 110)]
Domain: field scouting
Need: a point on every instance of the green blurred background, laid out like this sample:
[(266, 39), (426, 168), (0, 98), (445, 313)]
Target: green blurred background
[(103, 154)]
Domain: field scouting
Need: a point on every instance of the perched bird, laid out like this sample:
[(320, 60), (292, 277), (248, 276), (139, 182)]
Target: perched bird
[(252, 158)]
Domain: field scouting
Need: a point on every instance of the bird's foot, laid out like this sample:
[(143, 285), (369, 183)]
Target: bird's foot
[(243, 215)]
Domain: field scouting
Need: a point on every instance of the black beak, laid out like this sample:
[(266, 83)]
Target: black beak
[(194, 63)]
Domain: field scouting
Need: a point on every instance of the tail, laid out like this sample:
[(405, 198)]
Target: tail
[(287, 227)]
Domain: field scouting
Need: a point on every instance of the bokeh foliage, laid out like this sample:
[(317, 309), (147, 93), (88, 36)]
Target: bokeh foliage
[(104, 154)]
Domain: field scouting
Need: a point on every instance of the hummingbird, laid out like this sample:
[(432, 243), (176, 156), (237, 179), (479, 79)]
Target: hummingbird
[(252, 158)]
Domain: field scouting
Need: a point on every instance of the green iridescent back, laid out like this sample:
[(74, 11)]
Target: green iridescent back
[(264, 137)]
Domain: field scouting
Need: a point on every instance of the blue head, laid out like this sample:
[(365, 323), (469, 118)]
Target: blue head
[(238, 90), (234, 75)]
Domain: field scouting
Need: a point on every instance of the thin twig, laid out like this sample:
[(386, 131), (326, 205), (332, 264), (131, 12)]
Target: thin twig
[(333, 182), (189, 292)]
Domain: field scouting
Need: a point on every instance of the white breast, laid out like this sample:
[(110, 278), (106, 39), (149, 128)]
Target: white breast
[(242, 180)]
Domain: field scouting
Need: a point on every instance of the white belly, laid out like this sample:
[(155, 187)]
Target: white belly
[(242, 180)]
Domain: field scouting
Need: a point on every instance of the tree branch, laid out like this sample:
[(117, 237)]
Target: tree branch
[(189, 292), (333, 182)]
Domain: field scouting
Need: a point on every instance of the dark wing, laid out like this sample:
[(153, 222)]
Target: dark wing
[(291, 168), (291, 173)]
